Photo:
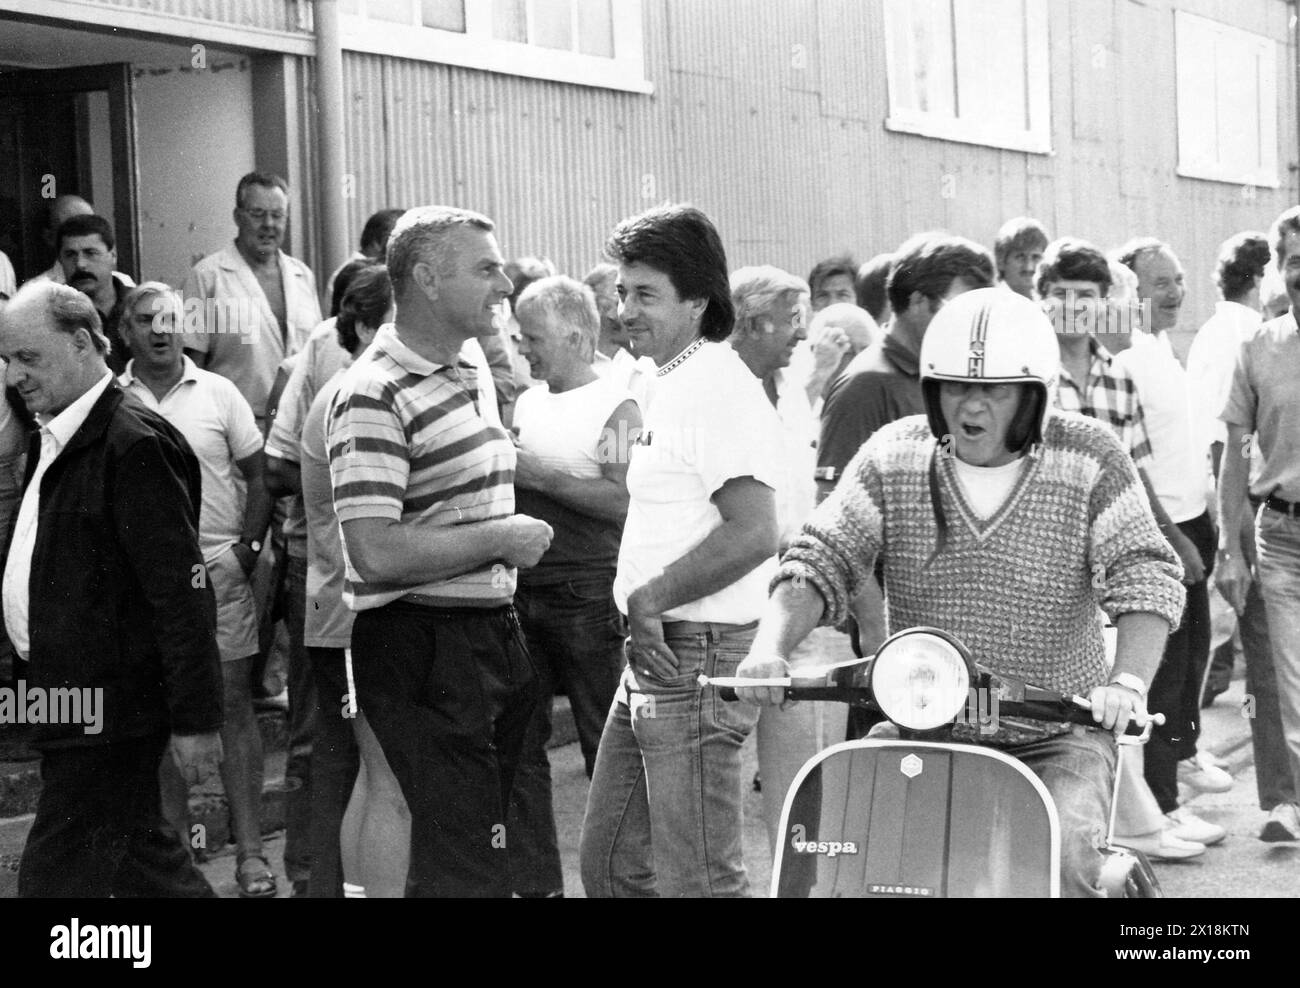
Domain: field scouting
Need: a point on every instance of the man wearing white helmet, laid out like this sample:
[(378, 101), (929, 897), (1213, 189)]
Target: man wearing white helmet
[(1007, 523)]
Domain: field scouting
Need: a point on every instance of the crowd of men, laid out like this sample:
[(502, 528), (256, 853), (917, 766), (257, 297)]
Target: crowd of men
[(478, 482)]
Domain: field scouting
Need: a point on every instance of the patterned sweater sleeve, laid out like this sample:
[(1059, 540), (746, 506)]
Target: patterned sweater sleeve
[(1134, 568), (838, 545)]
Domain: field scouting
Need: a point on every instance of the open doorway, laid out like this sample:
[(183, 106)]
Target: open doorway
[(66, 131)]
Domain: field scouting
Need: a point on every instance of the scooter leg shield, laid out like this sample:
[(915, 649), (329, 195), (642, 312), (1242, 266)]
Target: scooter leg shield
[(873, 819)]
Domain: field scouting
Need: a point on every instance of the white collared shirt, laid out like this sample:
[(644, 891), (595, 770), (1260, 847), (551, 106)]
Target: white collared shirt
[(1211, 361), (1180, 449), (16, 589)]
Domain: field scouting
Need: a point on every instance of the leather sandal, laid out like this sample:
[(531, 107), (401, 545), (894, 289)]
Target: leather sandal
[(254, 883)]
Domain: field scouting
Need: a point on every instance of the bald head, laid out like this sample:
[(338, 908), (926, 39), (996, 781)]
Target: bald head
[(854, 322), (63, 209)]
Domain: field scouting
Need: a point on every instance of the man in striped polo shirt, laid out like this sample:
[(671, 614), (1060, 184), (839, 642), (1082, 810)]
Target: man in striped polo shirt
[(423, 476)]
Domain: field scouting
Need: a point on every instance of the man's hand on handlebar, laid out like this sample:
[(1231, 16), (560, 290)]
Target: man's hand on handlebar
[(762, 665), (1114, 706)]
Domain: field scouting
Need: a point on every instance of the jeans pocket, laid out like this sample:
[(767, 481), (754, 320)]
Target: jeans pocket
[(734, 715)]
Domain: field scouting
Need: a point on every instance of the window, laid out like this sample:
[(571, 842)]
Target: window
[(1227, 102), (587, 42), (970, 70)]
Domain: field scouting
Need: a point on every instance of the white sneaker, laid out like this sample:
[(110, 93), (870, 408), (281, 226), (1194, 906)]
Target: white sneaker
[(1283, 823), (1187, 825), (1163, 845), (1201, 774)]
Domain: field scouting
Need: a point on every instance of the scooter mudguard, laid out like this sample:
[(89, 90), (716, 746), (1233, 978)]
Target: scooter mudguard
[(890, 819)]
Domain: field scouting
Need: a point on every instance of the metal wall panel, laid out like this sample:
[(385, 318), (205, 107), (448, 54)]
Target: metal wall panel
[(272, 15), (770, 115)]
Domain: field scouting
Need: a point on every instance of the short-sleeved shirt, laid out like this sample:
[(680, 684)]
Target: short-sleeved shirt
[(796, 494), (218, 424), (328, 622), (566, 431), (708, 422), (1179, 470), (420, 443), (228, 319), (1110, 396), (321, 358), (1265, 400), (1211, 359), (880, 385)]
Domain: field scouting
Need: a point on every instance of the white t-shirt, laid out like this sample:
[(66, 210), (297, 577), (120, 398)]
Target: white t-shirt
[(565, 430), (1211, 360), (1179, 448), (218, 423), (987, 488), (708, 422)]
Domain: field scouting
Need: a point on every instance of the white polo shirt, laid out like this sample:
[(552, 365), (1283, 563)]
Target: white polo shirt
[(218, 424), (708, 422), (1180, 450)]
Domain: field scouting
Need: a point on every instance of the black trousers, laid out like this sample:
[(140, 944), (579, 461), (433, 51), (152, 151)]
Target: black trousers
[(1176, 689), (335, 759), (449, 693), (99, 829)]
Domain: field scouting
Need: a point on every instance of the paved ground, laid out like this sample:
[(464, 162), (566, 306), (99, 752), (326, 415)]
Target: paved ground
[(1239, 868)]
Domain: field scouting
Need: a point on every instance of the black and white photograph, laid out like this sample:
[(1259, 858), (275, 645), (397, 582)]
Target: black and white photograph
[(650, 449)]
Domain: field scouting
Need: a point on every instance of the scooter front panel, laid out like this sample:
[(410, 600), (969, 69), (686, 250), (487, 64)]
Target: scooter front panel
[(919, 820)]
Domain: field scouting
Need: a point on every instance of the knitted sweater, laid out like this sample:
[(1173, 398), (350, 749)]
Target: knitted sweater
[(1022, 588)]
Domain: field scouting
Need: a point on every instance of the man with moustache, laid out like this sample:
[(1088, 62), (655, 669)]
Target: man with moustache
[(258, 303), (88, 258)]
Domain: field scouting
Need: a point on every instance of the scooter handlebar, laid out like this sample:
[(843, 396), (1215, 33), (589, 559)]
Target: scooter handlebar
[(1075, 709)]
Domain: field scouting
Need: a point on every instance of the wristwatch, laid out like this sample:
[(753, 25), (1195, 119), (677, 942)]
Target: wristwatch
[(254, 544), (1129, 681)]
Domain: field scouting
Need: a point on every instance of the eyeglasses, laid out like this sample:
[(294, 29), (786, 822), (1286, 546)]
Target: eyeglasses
[(258, 215)]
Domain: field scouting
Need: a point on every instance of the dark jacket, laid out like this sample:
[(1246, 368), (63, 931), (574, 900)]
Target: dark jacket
[(119, 594)]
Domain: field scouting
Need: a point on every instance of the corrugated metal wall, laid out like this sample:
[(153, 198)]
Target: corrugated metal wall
[(770, 115), (273, 15)]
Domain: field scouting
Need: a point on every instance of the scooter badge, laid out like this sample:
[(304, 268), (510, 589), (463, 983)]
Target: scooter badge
[(910, 766)]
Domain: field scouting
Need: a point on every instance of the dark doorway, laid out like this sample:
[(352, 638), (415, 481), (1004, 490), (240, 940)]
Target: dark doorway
[(66, 131)]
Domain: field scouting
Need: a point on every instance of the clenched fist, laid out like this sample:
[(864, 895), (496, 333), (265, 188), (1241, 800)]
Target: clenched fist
[(526, 540)]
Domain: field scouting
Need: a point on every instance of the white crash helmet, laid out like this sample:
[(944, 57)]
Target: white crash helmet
[(995, 336)]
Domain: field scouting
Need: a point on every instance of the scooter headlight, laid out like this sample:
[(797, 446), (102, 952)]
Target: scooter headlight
[(921, 678)]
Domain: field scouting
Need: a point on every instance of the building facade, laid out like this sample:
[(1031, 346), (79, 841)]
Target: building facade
[(804, 127)]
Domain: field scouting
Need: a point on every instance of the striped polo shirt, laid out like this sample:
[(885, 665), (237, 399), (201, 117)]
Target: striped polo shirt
[(422, 443)]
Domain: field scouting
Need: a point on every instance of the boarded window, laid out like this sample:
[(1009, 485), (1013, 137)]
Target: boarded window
[(1227, 102), (970, 70)]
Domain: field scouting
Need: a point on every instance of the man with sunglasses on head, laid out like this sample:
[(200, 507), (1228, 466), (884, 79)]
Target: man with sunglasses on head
[(250, 305)]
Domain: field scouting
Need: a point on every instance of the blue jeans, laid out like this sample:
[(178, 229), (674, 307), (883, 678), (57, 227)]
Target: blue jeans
[(665, 813), (1078, 769), (1277, 546), (575, 637)]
